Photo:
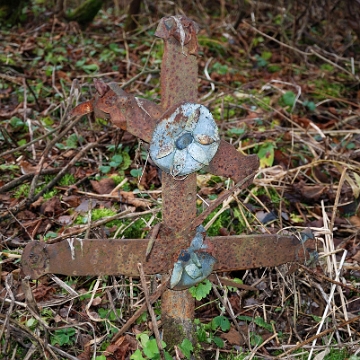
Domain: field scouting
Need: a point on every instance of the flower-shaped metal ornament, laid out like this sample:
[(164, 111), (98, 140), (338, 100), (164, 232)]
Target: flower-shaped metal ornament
[(184, 140), (192, 266)]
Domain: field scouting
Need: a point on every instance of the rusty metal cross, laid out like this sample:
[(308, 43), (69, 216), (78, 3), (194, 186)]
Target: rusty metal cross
[(180, 239)]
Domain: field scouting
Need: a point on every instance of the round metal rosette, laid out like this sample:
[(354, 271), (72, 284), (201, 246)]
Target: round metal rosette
[(185, 139)]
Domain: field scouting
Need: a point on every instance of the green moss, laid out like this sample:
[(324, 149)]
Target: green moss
[(67, 180), (22, 190)]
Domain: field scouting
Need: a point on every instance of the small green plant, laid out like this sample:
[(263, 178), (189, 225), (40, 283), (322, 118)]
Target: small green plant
[(120, 161), (220, 68), (262, 60), (72, 142), (149, 349), (288, 99), (67, 180), (206, 332), (255, 338), (17, 124), (22, 190), (63, 337), (201, 290), (310, 105)]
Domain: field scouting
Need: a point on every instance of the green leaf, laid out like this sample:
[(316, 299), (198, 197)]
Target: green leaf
[(255, 339), (261, 322), (21, 142), (144, 338), (289, 98), (186, 348), (310, 105), (266, 55), (101, 357), (201, 333), (62, 336), (236, 131), (266, 154), (72, 142), (16, 123), (104, 169), (117, 159), (126, 161), (260, 61), (201, 290), (90, 68), (31, 322), (245, 318), (222, 322), (136, 172), (150, 349), (236, 280), (137, 355), (218, 342)]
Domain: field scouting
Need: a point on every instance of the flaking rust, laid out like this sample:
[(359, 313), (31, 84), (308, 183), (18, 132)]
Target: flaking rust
[(175, 244)]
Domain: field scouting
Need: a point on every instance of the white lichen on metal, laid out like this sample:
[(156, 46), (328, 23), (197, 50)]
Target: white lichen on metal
[(183, 147)]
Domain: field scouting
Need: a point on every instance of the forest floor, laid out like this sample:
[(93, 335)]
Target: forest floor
[(295, 104)]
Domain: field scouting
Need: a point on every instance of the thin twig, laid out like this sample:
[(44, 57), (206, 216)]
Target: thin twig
[(160, 290), (151, 311), (199, 219), (16, 182), (325, 332), (230, 312), (126, 214)]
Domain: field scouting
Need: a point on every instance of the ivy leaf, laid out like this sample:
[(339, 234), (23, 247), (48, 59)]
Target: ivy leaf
[(201, 290), (186, 348), (222, 322)]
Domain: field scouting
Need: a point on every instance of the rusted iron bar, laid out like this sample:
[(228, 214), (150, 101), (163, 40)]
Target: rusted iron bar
[(179, 73), (79, 257)]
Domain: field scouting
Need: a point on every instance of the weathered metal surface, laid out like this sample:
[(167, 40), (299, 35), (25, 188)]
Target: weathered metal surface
[(185, 139), (179, 72), (128, 112), (114, 257), (178, 80), (140, 117), (228, 162)]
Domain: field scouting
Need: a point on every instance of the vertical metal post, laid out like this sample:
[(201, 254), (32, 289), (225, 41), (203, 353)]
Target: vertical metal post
[(179, 73)]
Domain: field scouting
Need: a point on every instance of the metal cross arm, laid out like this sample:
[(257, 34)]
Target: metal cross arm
[(183, 138), (83, 257)]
